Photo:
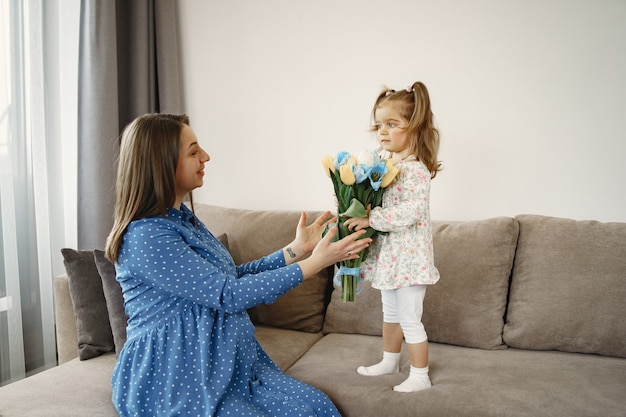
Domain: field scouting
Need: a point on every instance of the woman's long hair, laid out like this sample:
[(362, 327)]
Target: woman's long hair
[(146, 172)]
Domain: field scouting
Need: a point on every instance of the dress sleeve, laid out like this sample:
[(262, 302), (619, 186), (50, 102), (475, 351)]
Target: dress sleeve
[(158, 255), (267, 263), (409, 203)]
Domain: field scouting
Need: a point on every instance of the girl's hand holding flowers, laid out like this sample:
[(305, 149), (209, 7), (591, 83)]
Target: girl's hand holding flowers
[(357, 223)]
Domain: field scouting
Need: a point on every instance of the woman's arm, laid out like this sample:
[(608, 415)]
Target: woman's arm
[(155, 253)]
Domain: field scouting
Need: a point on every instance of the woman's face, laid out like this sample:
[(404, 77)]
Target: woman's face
[(190, 167)]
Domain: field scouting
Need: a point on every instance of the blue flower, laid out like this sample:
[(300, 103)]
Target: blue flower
[(361, 172), (342, 158), (376, 174)]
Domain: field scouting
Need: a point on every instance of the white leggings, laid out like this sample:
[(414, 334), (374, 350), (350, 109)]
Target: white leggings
[(405, 306)]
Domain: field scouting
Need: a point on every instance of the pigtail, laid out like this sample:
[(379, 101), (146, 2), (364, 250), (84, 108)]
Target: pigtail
[(426, 147)]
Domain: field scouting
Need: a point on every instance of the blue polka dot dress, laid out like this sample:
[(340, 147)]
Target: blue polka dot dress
[(191, 349)]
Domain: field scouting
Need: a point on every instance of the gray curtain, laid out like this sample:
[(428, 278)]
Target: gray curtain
[(128, 66)]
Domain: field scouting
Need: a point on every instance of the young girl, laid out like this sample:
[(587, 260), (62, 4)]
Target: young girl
[(400, 263), (191, 349)]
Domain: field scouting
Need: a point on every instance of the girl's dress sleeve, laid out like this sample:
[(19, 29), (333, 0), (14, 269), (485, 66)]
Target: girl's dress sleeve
[(407, 201), (160, 255)]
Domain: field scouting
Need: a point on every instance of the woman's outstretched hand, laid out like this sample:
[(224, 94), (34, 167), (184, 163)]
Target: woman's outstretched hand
[(327, 252), (307, 237)]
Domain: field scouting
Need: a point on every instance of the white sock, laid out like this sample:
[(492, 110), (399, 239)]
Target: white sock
[(389, 365), (418, 380)]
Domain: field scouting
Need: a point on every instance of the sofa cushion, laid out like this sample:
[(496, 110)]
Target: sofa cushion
[(92, 320), (568, 289), (466, 382), (299, 309), (363, 316), (256, 233), (467, 306), (285, 346), (76, 388), (65, 321), (113, 297)]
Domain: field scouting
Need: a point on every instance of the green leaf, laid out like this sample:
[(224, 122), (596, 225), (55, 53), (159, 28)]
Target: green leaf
[(356, 209)]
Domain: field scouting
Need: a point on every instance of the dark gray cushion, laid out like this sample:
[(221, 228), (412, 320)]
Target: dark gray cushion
[(92, 319), (114, 299)]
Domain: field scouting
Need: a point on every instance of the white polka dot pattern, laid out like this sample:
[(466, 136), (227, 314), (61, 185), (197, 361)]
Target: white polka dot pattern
[(191, 349)]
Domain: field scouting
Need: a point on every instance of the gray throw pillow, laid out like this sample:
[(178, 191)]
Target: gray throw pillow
[(92, 319), (114, 299)]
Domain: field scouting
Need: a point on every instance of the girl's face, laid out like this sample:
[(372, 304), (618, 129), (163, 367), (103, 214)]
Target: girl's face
[(391, 130), (190, 167)]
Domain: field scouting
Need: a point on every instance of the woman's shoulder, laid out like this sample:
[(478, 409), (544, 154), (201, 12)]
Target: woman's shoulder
[(152, 223)]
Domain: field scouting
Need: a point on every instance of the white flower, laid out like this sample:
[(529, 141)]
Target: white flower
[(368, 158)]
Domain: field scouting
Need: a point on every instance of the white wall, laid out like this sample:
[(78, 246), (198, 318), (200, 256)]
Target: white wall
[(530, 98)]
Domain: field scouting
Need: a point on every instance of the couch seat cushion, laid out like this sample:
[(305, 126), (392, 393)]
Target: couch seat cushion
[(74, 389), (284, 346), (467, 382)]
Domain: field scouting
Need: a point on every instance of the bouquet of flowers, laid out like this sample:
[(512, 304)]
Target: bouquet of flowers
[(359, 182)]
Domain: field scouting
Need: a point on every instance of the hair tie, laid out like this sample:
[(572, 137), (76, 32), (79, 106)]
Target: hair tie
[(409, 89)]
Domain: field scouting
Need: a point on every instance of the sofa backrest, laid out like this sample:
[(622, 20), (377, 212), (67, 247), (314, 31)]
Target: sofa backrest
[(568, 290), (252, 234), (467, 306), (530, 282)]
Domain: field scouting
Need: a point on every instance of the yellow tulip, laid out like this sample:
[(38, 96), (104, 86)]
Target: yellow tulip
[(329, 165), (392, 172), (346, 174)]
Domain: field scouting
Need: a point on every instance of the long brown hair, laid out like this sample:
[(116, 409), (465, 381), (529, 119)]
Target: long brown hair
[(413, 104), (146, 172)]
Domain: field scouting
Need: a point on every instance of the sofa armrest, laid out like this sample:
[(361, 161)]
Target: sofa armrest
[(67, 339)]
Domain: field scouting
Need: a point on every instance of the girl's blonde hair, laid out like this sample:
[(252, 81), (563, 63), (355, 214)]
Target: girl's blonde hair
[(413, 104), (146, 172)]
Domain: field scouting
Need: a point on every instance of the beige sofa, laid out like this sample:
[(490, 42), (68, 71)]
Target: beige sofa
[(527, 320)]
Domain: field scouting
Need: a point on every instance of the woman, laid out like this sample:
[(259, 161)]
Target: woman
[(190, 346)]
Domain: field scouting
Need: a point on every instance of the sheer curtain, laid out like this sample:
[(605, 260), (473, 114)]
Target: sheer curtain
[(27, 339), (57, 153)]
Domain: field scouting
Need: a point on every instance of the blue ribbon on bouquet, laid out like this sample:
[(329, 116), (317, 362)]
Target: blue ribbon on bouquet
[(355, 272)]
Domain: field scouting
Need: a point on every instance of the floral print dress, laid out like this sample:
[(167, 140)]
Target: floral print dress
[(404, 256)]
